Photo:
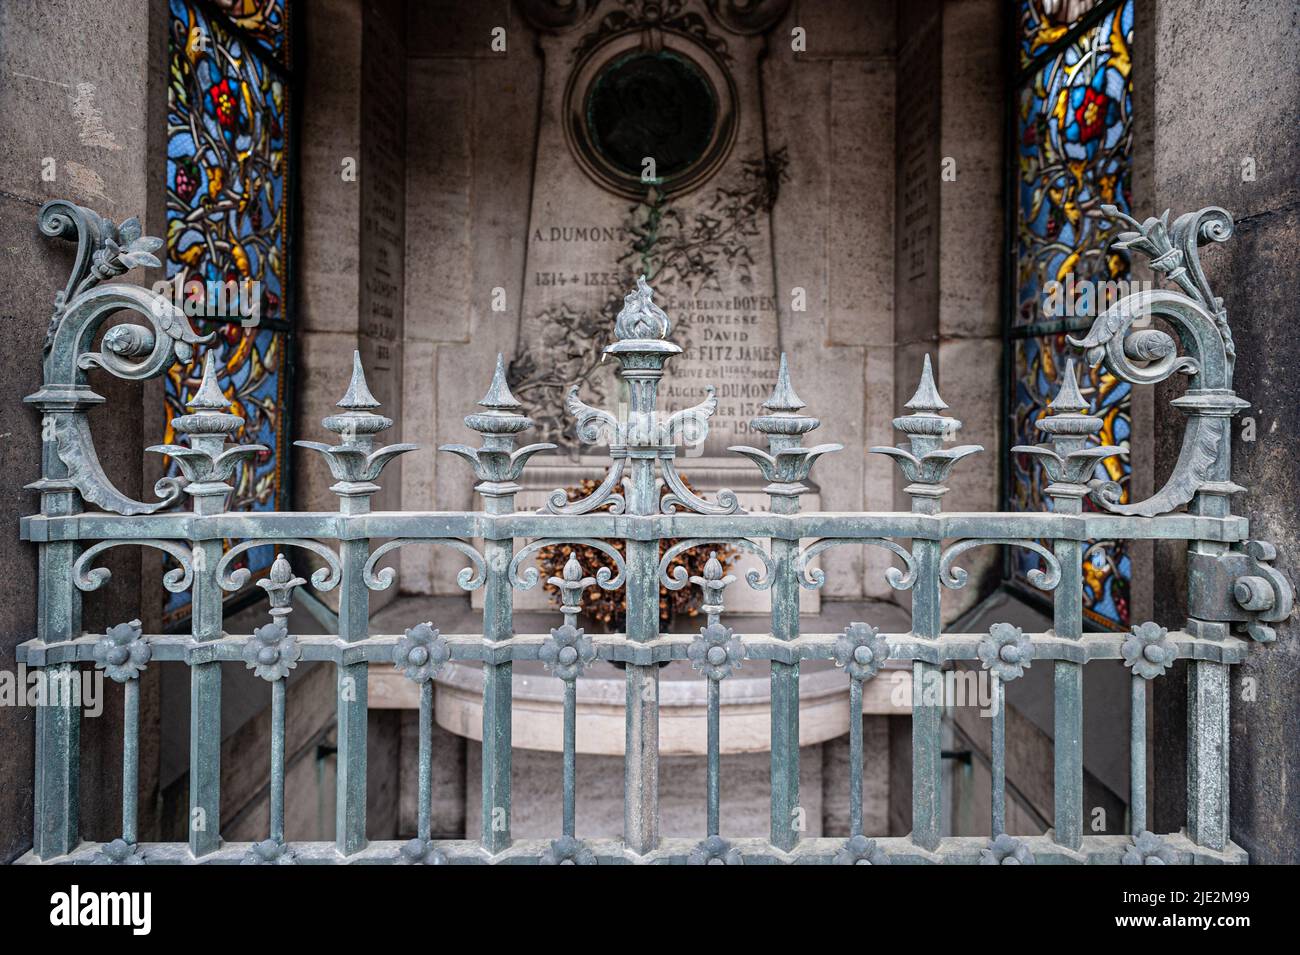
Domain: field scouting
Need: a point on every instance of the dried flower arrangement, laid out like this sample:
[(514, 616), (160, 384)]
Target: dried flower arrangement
[(609, 607)]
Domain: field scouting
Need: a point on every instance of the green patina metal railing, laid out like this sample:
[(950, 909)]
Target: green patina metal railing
[(1231, 584)]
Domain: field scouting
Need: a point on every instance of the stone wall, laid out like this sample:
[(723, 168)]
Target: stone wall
[(82, 96), (1227, 84)]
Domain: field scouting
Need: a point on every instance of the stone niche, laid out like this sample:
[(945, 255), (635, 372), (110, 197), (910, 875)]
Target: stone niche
[(651, 159)]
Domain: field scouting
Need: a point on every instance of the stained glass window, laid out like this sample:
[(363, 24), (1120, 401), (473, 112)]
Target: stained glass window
[(1072, 154), (228, 204)]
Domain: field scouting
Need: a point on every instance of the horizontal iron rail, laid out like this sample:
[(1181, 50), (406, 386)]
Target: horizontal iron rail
[(471, 524), (900, 850), (616, 648)]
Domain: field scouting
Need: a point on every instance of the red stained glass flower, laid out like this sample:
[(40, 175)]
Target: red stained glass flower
[(1091, 115), (225, 103)]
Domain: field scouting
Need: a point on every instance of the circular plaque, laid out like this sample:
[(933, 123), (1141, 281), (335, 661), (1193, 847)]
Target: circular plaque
[(628, 102)]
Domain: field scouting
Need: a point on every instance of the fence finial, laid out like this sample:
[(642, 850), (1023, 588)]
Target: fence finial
[(786, 463), (640, 318), (497, 464), (928, 463), (207, 463), (353, 462), (1070, 459)]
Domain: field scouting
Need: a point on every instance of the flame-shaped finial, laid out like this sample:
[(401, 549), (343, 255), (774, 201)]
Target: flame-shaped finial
[(640, 318)]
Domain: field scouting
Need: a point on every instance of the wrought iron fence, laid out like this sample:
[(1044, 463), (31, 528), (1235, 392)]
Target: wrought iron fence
[(1231, 584)]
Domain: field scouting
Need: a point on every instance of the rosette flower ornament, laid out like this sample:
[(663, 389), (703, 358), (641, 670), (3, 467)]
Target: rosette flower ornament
[(421, 652), (859, 850), (715, 850), (1148, 849), (1006, 651), (122, 652), (861, 651), (354, 462), (269, 852), (567, 652), (928, 463), (272, 652), (716, 651), (421, 852), (567, 850), (119, 852), (1006, 850), (1148, 650)]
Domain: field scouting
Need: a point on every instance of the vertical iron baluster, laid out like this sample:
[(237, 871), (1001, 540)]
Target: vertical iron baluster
[(424, 814), (566, 653), (786, 464), (1147, 652), (122, 654), (1005, 653), (715, 653), (497, 465), (998, 795), (271, 653), (855, 758), (57, 797), (641, 351), (927, 465), (355, 464), (861, 651), (1137, 744), (1070, 462), (421, 653), (207, 465)]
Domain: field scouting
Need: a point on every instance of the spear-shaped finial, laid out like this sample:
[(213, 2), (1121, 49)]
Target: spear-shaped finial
[(497, 464), (498, 397), (357, 424), (927, 397), (358, 396), (209, 397), (783, 397), (353, 461), (926, 463), (1070, 460), (785, 463)]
